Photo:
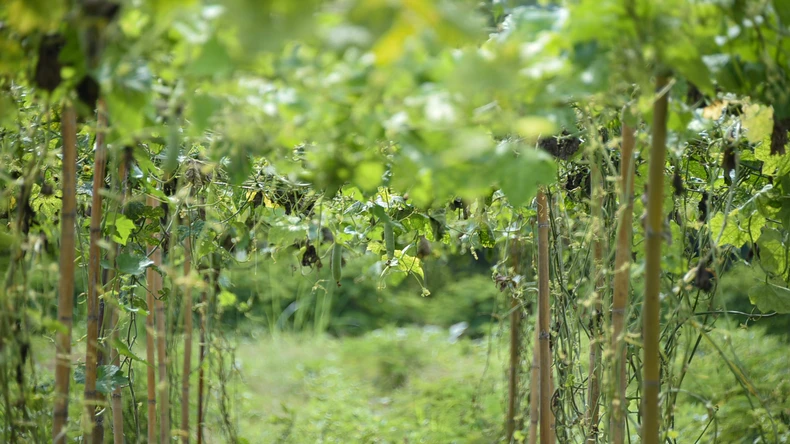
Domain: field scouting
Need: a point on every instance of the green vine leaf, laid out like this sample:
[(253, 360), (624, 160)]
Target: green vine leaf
[(121, 225), (124, 350), (520, 176), (133, 264), (769, 297)]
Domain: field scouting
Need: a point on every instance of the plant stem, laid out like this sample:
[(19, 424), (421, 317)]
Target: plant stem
[(652, 307)]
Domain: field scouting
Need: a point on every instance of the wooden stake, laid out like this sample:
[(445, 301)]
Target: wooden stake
[(622, 276), (651, 310), (68, 215)]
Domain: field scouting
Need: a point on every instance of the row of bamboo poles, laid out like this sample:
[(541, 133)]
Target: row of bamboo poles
[(541, 389), (102, 315), (155, 322)]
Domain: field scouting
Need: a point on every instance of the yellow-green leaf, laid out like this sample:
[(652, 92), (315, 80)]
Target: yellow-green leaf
[(758, 122)]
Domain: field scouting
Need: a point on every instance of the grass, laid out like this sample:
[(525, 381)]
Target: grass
[(391, 386)]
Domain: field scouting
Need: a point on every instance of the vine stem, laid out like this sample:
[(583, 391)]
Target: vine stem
[(652, 305)]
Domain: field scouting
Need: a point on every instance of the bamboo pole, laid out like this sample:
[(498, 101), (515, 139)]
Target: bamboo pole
[(515, 348), (203, 349), (162, 361), (94, 276), (116, 398), (651, 309), (68, 216), (622, 275), (187, 340), (596, 338), (546, 417), (150, 275), (534, 388)]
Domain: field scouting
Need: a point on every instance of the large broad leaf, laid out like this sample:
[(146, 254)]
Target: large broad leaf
[(120, 226), (769, 297), (520, 175), (108, 378), (782, 8), (772, 251), (128, 96), (213, 60), (758, 121), (685, 59), (133, 263), (738, 228)]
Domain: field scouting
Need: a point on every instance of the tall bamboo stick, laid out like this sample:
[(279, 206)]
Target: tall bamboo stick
[(162, 361), (546, 417), (652, 307), (94, 275), (622, 275), (68, 216), (534, 387), (187, 339), (150, 332), (596, 338), (515, 347), (116, 398)]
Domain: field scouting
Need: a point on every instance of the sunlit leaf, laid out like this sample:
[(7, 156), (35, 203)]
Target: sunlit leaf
[(758, 121), (120, 226)]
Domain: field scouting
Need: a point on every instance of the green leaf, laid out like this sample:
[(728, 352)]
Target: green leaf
[(124, 350), (367, 175), (782, 8), (772, 251), (772, 164), (133, 264), (123, 227), (519, 177), (226, 299), (726, 234), (8, 111), (201, 109), (769, 297), (128, 97), (163, 8), (685, 59), (758, 121), (27, 16), (109, 378), (213, 60)]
